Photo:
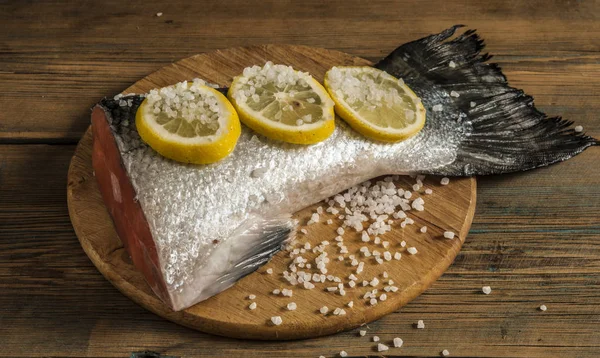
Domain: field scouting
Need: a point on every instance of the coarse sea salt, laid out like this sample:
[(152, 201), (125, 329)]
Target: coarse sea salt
[(276, 320), (382, 347), (359, 87), (398, 342)]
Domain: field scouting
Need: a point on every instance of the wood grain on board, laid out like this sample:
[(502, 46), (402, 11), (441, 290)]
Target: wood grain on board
[(535, 237)]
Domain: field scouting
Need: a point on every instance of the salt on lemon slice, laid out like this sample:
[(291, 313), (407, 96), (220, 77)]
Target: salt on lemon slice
[(375, 103), (189, 123), (283, 104)]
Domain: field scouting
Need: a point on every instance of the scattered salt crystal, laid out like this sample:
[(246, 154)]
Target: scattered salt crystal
[(423, 229), (276, 320), (329, 221), (350, 304), (375, 339), (428, 191), (269, 271), (451, 64), (382, 347), (387, 256), (486, 289), (374, 282), (445, 353), (385, 274), (445, 181), (403, 243), (362, 333), (412, 250), (340, 231), (252, 306), (578, 129), (251, 297), (543, 308), (365, 237), (324, 310), (454, 94), (472, 104), (291, 306), (420, 324), (383, 297), (449, 234), (343, 354), (398, 342), (437, 108), (304, 231), (397, 256), (159, 14), (276, 291), (373, 301)]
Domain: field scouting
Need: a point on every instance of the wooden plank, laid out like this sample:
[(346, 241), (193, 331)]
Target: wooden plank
[(53, 69), (534, 240)]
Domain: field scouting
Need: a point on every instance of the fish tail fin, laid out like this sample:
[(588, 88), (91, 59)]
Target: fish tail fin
[(507, 132)]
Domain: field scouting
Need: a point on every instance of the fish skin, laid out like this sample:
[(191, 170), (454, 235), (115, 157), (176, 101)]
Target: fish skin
[(218, 215)]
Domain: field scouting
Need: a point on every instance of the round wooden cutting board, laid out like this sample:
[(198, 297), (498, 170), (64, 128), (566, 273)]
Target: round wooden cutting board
[(450, 207)]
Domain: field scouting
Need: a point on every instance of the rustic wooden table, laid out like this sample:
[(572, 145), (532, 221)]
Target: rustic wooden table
[(535, 238)]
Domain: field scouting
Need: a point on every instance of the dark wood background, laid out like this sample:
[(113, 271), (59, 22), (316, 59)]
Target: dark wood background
[(535, 238)]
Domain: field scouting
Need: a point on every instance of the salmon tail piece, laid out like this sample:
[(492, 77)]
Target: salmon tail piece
[(504, 131)]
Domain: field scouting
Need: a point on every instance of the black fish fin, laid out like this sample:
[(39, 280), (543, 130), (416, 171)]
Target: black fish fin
[(507, 132), (255, 243)]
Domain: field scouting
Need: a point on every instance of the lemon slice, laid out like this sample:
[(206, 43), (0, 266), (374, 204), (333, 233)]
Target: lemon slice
[(374, 103), (283, 104), (189, 123)]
